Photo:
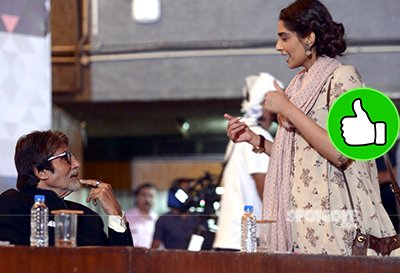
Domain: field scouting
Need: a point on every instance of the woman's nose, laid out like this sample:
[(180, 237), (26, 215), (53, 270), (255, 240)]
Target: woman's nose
[(278, 46)]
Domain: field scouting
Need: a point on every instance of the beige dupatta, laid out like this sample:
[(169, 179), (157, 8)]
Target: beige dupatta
[(303, 92)]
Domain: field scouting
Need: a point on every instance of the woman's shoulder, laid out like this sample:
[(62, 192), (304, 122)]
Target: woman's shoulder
[(347, 72), (345, 77)]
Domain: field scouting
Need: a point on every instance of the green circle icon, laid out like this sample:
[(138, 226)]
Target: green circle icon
[(363, 124)]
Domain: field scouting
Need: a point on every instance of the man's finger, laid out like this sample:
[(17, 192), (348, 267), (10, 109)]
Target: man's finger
[(89, 182)]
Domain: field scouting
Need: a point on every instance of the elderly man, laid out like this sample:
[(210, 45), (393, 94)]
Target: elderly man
[(46, 166)]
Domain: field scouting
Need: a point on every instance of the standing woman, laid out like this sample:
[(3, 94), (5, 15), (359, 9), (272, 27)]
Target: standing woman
[(304, 189)]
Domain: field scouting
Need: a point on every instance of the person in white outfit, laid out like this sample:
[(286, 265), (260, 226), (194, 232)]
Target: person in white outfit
[(244, 173)]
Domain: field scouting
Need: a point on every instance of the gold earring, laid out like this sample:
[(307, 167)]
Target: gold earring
[(308, 50)]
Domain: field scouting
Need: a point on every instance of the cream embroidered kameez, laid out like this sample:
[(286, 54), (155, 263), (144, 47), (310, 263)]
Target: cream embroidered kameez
[(320, 211)]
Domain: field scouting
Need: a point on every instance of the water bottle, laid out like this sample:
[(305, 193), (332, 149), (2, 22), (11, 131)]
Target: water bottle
[(249, 230), (39, 220)]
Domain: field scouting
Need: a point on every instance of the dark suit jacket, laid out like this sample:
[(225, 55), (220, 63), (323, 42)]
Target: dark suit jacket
[(15, 209)]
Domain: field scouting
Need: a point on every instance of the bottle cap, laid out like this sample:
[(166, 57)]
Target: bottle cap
[(39, 198), (248, 207)]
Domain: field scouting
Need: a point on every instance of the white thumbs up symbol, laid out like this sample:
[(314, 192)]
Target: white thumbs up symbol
[(359, 130)]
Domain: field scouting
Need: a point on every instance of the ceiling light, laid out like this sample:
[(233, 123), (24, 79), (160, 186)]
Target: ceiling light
[(146, 11)]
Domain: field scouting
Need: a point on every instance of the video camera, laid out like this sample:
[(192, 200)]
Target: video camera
[(201, 198), (195, 195)]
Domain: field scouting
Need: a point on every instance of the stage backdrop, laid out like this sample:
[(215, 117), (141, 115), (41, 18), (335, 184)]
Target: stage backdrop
[(25, 78)]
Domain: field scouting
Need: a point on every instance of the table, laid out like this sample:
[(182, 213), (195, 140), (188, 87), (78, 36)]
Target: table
[(128, 260)]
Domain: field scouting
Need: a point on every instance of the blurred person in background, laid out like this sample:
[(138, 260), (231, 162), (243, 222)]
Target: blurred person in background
[(244, 173), (173, 230), (142, 218)]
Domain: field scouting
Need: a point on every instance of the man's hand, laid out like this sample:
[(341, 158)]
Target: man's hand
[(102, 192)]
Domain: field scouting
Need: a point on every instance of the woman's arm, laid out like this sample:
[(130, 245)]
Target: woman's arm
[(314, 134)]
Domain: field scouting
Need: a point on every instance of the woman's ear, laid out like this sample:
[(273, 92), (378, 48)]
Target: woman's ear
[(42, 174), (310, 39)]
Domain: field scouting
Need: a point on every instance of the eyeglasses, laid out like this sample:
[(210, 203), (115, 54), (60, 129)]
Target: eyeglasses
[(67, 155)]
